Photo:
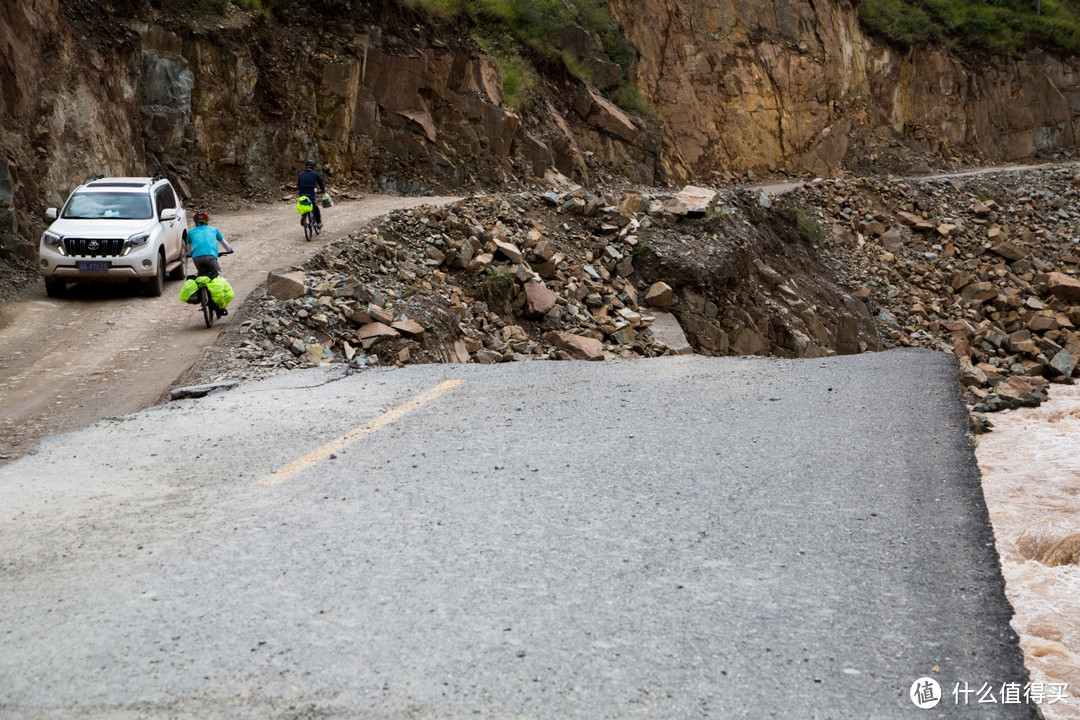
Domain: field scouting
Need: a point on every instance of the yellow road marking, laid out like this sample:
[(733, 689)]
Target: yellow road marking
[(337, 445)]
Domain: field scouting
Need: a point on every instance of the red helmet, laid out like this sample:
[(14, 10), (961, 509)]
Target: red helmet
[(202, 216)]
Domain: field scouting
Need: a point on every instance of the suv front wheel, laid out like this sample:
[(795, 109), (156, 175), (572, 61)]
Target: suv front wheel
[(155, 286)]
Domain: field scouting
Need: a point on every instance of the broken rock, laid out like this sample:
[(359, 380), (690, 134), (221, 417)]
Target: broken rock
[(660, 295), (285, 285), (578, 346)]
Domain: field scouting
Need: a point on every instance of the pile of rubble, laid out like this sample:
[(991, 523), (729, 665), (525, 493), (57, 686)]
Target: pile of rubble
[(554, 276), (977, 265)]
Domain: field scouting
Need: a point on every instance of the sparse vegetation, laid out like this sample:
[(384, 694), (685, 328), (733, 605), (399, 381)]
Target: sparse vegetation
[(1004, 27), (641, 246), (523, 32), (811, 229), (498, 278), (628, 97)]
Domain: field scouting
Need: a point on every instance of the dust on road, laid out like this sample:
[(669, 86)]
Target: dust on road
[(105, 350)]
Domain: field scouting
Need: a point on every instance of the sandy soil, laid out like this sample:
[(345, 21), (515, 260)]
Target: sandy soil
[(105, 350)]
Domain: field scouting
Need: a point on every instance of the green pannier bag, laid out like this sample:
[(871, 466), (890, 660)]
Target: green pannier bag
[(221, 291), (303, 205), (187, 290)]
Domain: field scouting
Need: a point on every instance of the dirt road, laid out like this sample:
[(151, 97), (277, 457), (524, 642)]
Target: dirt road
[(101, 351)]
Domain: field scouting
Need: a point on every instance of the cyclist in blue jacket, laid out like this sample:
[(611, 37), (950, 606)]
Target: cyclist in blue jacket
[(306, 185), (202, 242)]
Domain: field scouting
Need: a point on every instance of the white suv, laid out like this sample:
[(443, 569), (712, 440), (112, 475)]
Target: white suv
[(114, 230)]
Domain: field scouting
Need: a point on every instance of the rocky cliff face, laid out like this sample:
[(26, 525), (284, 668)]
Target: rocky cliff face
[(230, 106), (233, 105), (795, 85)]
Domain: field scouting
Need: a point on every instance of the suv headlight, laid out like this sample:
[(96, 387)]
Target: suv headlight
[(135, 241), (54, 241)]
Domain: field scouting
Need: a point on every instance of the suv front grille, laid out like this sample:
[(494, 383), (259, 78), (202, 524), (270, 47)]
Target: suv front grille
[(93, 247)]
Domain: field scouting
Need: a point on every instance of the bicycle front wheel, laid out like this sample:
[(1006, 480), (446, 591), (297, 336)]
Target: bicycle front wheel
[(207, 306)]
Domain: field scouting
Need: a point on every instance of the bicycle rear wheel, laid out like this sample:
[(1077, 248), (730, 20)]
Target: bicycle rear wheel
[(309, 227), (207, 305)]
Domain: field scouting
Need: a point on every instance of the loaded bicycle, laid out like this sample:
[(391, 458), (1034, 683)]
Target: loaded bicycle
[(201, 290), (305, 205)]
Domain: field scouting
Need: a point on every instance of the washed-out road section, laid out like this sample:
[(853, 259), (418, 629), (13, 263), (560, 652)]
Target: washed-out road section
[(673, 538), (106, 350)]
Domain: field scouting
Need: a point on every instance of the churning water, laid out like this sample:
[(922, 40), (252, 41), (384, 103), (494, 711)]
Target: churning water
[(1031, 479)]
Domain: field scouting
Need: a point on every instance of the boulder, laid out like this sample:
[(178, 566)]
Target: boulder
[(1063, 287), (509, 250), (660, 295), (578, 346), (538, 299), (666, 329), (285, 285), (408, 327), (698, 201), (376, 330)]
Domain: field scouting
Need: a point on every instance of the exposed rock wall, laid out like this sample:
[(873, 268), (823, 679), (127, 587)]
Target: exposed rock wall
[(232, 105), (66, 108), (795, 85)]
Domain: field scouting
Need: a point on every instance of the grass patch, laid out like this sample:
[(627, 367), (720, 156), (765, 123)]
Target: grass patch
[(628, 97), (515, 73), (1004, 27)]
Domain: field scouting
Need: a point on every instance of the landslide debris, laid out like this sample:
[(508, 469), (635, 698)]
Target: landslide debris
[(982, 266), (557, 276)]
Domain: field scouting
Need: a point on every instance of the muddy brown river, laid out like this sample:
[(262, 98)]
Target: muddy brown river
[(1031, 479)]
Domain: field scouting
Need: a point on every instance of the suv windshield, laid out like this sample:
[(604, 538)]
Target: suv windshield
[(108, 206)]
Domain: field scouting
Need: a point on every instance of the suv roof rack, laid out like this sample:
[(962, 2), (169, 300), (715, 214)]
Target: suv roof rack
[(121, 183), (96, 177), (157, 177)]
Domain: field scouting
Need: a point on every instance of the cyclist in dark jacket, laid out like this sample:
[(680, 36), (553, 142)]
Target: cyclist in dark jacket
[(306, 184)]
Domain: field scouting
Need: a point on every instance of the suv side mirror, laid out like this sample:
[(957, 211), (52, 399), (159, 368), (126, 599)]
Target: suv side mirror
[(168, 214), (51, 213)]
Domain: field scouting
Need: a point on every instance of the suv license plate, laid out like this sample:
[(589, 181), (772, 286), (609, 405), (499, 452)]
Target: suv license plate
[(93, 266)]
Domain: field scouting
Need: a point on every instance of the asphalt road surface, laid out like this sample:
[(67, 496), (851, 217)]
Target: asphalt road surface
[(672, 538)]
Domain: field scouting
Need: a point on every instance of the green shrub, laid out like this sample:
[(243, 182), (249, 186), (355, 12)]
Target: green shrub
[(642, 245), (628, 97), (810, 228), (1005, 27), (516, 75), (525, 28), (898, 21), (518, 80)]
